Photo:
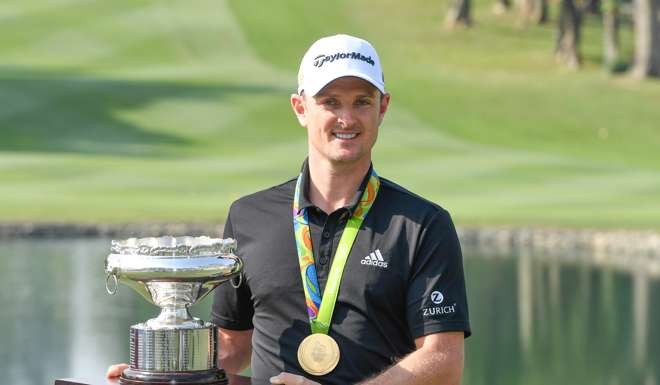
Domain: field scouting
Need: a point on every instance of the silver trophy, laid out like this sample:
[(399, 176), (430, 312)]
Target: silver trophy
[(172, 273)]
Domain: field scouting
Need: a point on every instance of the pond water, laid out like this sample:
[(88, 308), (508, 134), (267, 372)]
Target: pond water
[(536, 320)]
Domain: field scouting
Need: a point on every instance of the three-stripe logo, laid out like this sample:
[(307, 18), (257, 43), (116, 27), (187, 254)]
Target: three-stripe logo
[(374, 258)]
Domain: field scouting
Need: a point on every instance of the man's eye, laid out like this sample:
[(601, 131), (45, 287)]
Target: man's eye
[(329, 102), (363, 102)]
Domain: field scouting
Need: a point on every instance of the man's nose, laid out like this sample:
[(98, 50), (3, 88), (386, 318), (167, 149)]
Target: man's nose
[(346, 118)]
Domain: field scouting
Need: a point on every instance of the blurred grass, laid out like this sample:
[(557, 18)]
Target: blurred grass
[(166, 111)]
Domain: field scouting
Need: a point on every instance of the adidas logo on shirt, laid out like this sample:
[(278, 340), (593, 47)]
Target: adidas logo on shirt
[(374, 259)]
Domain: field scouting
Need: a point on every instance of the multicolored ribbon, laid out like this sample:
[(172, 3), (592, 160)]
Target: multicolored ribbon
[(320, 307)]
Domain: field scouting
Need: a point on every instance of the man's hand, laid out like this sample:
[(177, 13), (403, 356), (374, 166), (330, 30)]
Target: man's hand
[(285, 378), (115, 371)]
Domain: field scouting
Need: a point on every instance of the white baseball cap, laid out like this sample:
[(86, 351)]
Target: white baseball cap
[(336, 56)]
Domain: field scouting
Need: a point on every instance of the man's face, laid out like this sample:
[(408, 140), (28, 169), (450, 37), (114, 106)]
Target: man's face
[(342, 119)]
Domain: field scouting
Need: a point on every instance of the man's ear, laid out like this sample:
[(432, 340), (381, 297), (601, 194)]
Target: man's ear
[(384, 105), (298, 106)]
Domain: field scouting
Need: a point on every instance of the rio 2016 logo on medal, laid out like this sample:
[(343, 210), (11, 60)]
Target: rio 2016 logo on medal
[(172, 273)]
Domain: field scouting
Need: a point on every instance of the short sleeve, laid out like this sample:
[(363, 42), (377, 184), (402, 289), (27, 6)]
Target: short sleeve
[(232, 307), (436, 297)]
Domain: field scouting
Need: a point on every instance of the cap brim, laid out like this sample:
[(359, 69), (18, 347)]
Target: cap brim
[(313, 89)]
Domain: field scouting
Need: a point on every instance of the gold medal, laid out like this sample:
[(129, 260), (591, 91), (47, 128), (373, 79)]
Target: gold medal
[(318, 354)]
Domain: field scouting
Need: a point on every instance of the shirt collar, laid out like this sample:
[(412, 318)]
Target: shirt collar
[(304, 194)]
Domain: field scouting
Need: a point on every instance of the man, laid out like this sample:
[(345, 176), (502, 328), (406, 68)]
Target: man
[(398, 315)]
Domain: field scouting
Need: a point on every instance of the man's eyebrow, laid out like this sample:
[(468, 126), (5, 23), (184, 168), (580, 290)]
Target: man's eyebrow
[(334, 95)]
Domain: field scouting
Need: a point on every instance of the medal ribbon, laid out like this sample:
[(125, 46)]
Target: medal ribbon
[(320, 309)]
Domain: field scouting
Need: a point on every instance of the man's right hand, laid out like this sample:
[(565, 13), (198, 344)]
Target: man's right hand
[(115, 371)]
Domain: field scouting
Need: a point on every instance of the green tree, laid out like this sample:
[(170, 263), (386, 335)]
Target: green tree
[(646, 15), (458, 14), (501, 6), (533, 11), (567, 49), (610, 11)]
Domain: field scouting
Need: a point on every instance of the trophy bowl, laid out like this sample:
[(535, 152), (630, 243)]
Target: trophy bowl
[(172, 273)]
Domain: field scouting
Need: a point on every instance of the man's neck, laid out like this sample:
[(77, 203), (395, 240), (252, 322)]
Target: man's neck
[(334, 185)]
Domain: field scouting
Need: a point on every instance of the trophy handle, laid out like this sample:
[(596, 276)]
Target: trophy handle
[(240, 280), (115, 285)]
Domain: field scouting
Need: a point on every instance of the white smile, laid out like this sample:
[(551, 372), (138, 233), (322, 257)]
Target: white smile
[(345, 136)]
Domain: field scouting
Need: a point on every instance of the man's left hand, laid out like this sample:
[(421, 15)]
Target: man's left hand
[(285, 378)]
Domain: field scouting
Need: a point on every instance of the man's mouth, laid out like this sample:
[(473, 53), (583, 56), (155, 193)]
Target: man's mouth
[(345, 135)]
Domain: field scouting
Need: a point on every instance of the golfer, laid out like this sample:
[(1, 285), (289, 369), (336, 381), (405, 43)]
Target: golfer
[(348, 277)]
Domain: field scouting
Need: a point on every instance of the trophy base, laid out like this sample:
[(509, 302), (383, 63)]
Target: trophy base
[(198, 377)]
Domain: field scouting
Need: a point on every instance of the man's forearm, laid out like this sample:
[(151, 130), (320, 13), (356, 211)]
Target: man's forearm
[(424, 367), (234, 350), (234, 363), (438, 360)]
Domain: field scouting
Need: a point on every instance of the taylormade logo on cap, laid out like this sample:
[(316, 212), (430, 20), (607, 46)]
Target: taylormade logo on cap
[(319, 60), (332, 57)]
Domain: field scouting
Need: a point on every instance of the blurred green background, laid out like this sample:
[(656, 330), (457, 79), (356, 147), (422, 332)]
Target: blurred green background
[(161, 111)]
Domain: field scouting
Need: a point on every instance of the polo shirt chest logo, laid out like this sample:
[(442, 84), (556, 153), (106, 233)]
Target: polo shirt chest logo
[(374, 258)]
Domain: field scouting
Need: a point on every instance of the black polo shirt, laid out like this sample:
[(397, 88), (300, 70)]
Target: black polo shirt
[(403, 280)]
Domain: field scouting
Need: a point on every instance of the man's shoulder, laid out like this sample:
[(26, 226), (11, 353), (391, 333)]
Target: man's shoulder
[(399, 195), (281, 193)]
